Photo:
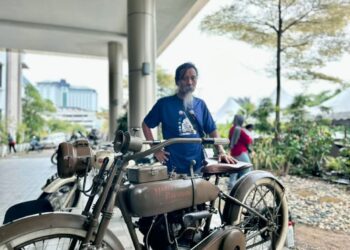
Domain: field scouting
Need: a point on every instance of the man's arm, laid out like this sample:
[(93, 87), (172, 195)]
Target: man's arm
[(161, 155), (221, 151), (147, 132)]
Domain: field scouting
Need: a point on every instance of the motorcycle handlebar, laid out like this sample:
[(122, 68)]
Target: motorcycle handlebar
[(125, 142), (216, 141), (213, 141)]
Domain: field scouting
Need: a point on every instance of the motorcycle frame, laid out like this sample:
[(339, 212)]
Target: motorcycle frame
[(110, 195)]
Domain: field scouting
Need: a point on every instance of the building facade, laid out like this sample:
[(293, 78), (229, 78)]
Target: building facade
[(65, 96), (87, 119), (2, 84)]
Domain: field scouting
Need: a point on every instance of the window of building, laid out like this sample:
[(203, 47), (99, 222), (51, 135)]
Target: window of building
[(65, 100), (0, 75)]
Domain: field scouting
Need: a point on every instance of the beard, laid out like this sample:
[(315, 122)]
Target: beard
[(188, 101), (186, 92)]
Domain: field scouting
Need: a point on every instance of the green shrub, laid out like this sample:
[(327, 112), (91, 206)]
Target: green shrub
[(334, 163), (266, 156), (3, 134), (301, 150)]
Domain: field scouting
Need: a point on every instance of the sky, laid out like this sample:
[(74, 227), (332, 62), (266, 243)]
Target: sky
[(227, 68)]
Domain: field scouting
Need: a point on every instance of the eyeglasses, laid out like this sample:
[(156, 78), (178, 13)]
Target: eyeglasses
[(187, 78)]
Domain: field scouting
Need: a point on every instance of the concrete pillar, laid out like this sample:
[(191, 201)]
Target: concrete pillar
[(13, 91), (142, 56), (115, 62)]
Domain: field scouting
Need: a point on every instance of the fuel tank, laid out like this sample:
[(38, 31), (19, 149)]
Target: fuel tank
[(148, 199)]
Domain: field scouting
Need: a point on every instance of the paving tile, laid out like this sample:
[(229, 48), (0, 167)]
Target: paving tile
[(21, 179)]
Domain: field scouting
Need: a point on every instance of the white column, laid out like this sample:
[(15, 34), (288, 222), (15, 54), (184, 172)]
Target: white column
[(142, 55), (13, 91), (115, 62)]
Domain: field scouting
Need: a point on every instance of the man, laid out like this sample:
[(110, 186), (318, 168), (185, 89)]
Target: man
[(183, 115), (11, 143)]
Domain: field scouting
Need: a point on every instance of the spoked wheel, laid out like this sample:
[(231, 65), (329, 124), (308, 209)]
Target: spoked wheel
[(266, 229), (50, 231), (55, 241)]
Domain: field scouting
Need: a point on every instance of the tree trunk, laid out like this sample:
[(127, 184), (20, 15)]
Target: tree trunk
[(286, 168), (278, 76)]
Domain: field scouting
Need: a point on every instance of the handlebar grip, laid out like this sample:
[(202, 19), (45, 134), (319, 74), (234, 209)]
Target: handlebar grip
[(216, 141), (152, 142), (221, 141)]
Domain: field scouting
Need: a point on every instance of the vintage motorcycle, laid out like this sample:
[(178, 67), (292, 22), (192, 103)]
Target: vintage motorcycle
[(94, 141), (34, 145), (59, 194), (171, 212), (64, 193)]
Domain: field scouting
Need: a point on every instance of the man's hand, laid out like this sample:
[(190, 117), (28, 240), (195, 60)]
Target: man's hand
[(161, 156), (223, 157)]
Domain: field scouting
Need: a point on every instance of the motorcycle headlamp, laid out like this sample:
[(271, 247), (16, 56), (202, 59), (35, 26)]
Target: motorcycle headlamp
[(124, 142), (73, 158)]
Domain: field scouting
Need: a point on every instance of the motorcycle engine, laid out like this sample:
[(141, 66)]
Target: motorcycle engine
[(173, 230)]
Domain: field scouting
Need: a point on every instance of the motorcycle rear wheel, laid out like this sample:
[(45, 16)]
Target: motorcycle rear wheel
[(49, 231), (267, 197), (54, 158)]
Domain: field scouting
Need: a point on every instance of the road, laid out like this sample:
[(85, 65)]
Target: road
[(21, 179), (22, 176)]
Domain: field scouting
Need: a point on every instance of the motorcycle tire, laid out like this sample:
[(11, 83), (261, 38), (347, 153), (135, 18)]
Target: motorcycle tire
[(54, 158), (266, 195), (50, 231)]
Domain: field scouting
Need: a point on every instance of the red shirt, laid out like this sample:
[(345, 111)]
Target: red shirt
[(241, 145)]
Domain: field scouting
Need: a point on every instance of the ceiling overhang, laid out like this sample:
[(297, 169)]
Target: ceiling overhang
[(84, 27)]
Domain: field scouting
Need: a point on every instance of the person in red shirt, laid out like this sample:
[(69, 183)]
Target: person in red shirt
[(239, 142)]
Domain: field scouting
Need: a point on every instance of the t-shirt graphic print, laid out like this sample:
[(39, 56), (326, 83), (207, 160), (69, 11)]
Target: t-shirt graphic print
[(184, 124)]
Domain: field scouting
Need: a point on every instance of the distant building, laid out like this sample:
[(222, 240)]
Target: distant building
[(286, 98), (2, 84), (63, 95), (87, 119), (336, 108), (227, 111)]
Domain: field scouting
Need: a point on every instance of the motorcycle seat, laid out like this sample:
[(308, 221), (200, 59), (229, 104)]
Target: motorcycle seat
[(225, 168)]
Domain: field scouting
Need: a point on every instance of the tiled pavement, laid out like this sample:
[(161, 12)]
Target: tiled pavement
[(23, 175)]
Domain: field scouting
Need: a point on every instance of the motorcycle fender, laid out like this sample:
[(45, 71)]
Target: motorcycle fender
[(240, 190), (45, 221), (57, 183), (223, 238)]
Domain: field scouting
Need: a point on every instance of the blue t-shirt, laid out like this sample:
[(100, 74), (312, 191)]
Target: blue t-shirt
[(170, 112)]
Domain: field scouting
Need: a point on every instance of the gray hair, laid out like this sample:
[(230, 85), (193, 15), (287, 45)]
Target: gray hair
[(238, 120)]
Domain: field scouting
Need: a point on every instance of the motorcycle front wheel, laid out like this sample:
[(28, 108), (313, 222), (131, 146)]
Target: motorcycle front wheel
[(266, 196), (50, 231)]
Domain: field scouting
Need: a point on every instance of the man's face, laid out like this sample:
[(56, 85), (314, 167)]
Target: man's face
[(188, 82)]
